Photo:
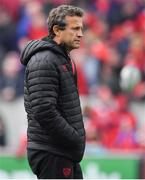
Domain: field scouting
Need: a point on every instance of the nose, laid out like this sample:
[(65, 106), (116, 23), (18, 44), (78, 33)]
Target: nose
[(80, 33)]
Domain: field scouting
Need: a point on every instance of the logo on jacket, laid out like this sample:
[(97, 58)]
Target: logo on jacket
[(66, 172), (64, 67)]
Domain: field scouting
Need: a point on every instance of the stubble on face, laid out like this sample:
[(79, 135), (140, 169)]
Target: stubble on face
[(72, 34)]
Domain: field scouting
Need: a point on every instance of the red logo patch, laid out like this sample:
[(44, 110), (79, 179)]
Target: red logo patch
[(66, 172), (64, 67)]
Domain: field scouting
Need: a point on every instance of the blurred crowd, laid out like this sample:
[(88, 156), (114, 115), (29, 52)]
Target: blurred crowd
[(114, 36)]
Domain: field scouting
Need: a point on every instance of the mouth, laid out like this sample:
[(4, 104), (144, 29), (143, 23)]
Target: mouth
[(77, 41)]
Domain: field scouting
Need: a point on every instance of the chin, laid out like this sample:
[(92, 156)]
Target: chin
[(76, 47)]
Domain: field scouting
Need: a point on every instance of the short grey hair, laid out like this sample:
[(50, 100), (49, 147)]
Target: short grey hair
[(57, 16)]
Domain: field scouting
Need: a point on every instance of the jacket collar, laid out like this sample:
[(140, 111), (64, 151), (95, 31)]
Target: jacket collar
[(60, 47)]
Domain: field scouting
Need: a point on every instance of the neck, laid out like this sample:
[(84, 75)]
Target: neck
[(57, 40), (62, 44)]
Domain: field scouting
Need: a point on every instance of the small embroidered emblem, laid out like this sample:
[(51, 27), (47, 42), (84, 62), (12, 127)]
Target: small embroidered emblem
[(64, 67), (66, 172)]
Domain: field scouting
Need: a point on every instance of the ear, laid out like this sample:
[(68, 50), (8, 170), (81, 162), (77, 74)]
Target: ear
[(56, 30)]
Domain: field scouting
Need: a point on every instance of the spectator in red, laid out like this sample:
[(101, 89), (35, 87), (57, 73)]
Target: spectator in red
[(21, 150), (126, 138)]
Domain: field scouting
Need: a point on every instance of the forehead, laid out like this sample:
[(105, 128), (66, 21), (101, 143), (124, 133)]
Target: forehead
[(74, 21)]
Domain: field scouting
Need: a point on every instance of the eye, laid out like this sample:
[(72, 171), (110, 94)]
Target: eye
[(77, 29)]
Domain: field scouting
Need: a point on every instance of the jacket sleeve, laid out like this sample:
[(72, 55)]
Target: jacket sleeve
[(43, 87)]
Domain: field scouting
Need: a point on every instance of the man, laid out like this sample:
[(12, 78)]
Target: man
[(56, 136)]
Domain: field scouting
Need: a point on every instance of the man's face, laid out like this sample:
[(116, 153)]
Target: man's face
[(72, 34)]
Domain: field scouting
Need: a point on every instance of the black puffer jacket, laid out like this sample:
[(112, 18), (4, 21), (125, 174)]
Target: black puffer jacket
[(51, 101)]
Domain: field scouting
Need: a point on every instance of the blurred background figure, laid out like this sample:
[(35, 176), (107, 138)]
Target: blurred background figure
[(11, 80), (22, 145), (2, 133)]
